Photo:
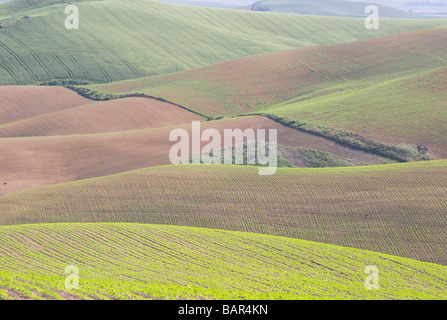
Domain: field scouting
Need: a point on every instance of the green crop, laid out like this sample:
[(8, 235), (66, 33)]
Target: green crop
[(134, 261)]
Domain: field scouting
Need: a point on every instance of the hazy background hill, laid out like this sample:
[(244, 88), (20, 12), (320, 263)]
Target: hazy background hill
[(347, 8), (326, 8), (428, 8)]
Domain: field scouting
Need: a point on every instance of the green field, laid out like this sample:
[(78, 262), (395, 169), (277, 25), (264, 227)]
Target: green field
[(398, 209), (132, 261), (408, 110), (150, 38)]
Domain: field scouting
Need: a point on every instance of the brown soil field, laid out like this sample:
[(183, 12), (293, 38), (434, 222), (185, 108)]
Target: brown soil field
[(107, 116), (36, 161), (23, 102)]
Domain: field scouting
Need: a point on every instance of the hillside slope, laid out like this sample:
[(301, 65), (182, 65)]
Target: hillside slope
[(99, 117), (150, 38), (402, 75), (395, 209), (131, 261), (246, 84), (35, 160), (408, 110)]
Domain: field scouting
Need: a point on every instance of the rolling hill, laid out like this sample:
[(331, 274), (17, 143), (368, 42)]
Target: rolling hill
[(423, 8), (351, 86), (398, 209), (408, 110), (132, 261), (85, 178), (20, 103), (38, 157), (110, 46)]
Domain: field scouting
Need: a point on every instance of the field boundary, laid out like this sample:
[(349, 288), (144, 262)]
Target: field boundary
[(352, 140), (401, 153)]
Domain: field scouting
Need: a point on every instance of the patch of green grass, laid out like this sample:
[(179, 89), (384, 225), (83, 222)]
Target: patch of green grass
[(312, 158), (287, 157), (241, 156)]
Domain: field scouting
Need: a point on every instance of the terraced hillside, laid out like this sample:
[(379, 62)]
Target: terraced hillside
[(132, 261), (395, 209), (110, 47)]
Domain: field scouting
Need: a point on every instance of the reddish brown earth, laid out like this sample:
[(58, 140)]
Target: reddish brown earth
[(37, 161), (90, 117), (23, 102)]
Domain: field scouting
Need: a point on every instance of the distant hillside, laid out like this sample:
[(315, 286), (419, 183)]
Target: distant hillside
[(151, 38), (436, 8), (339, 8), (229, 4)]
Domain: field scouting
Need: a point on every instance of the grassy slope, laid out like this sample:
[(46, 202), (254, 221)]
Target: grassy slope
[(403, 75), (409, 110), (132, 261), (326, 8), (394, 209), (110, 46)]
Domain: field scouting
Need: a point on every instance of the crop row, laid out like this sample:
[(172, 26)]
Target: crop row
[(133, 261)]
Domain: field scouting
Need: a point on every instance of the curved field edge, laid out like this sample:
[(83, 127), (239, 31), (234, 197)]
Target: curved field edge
[(135, 261), (397, 209), (405, 110)]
